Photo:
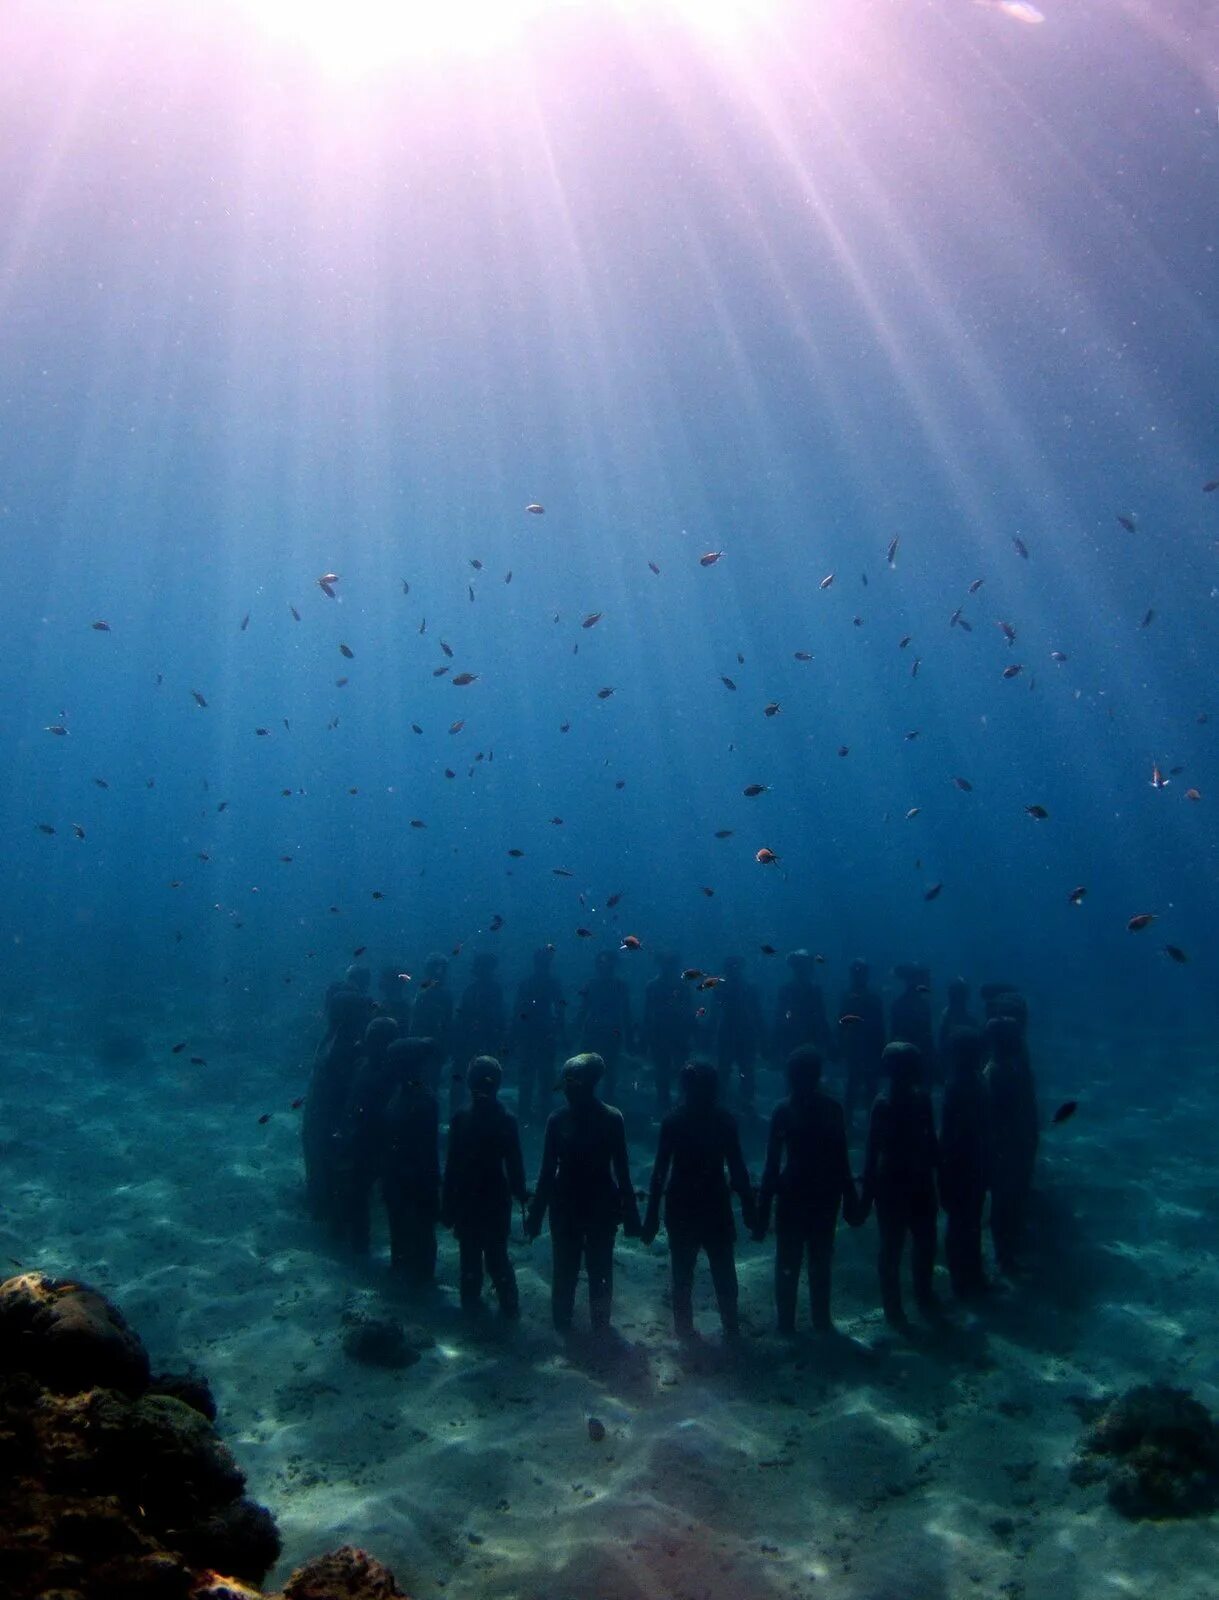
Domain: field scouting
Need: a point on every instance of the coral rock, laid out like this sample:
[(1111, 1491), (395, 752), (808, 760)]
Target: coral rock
[(1158, 1450), (69, 1336), (346, 1574)]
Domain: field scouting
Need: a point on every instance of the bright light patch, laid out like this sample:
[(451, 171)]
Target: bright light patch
[(349, 38)]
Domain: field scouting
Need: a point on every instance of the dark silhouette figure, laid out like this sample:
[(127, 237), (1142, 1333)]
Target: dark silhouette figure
[(1012, 1103), (536, 1032), (361, 1134), (699, 1166), (861, 1040), (432, 1015), (667, 1024), (910, 1017), (956, 1014), (738, 1033), (899, 1175), (808, 1175), (603, 1024), (483, 1174), (800, 1017), (347, 1015), (964, 1161), (410, 1160), (393, 987), (585, 1184)]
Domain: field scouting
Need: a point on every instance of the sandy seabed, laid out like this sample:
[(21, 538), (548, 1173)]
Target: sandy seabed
[(869, 1466)]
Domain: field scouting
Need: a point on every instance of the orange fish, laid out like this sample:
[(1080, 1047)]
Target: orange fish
[(765, 857)]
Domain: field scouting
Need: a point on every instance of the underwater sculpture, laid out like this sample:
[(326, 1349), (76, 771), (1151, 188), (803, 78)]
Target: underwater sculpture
[(115, 1483)]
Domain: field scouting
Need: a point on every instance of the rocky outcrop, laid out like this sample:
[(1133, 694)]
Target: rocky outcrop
[(1157, 1451), (116, 1487)]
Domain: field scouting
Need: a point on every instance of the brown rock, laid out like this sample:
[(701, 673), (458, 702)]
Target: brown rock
[(346, 1574), (69, 1336)]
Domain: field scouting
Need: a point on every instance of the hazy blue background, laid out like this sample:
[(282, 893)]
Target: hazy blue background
[(871, 270)]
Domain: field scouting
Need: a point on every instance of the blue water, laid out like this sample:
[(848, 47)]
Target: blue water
[(925, 273)]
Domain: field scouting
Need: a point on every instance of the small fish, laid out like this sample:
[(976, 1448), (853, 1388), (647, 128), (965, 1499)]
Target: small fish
[(1149, 617), (964, 785), (727, 682), (245, 622), (101, 783), (562, 872), (341, 683), (765, 857), (752, 790), (849, 1019), (447, 648), (710, 893), (476, 564), (724, 833), (263, 733), (104, 627), (1013, 671), (1193, 794), (198, 1061), (456, 727), (918, 661), (772, 710), (740, 659), (904, 641), (691, 974), (592, 619), (297, 1103), (955, 618), (198, 698), (1020, 548), (564, 727), (1057, 656), (556, 822), (327, 582), (1210, 486), (496, 923), (264, 1119), (613, 900), (508, 575), (296, 616), (78, 830), (711, 557), (415, 728), (58, 729), (416, 823), (423, 625), (966, 627), (604, 694), (439, 672), (912, 735), (803, 655), (913, 812), (534, 509), (710, 983), (449, 773), (584, 933), (463, 678), (1076, 896), (1176, 952), (933, 893), (654, 568), (826, 581), (1006, 629), (1128, 521), (891, 553), (1144, 919), (178, 1048), (844, 749), (1064, 1113), (1158, 780), (975, 585), (768, 949), (631, 941), (1039, 813)]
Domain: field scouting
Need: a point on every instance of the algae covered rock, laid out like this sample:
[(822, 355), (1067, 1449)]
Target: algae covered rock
[(1157, 1450), (69, 1336), (344, 1574)]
